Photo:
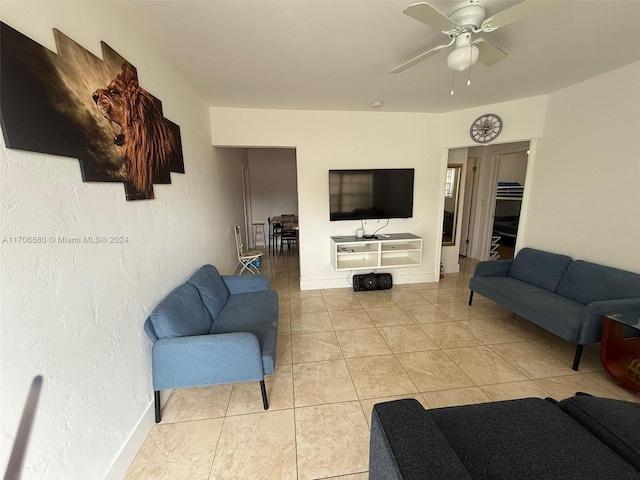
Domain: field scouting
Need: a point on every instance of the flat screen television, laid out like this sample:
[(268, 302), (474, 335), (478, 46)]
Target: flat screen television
[(370, 194)]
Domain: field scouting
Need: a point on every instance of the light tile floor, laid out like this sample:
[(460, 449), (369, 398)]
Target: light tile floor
[(339, 353)]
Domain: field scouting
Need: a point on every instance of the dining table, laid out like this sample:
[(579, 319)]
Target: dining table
[(283, 218)]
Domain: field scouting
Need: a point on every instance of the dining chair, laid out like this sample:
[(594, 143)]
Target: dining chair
[(289, 233), (249, 260), (275, 232)]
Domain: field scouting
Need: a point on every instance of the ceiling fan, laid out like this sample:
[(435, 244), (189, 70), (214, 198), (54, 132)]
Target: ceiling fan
[(467, 19)]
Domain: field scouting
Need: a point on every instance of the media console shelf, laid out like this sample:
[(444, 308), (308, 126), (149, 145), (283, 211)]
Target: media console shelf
[(392, 251)]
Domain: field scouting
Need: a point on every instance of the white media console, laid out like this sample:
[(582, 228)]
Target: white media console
[(386, 251)]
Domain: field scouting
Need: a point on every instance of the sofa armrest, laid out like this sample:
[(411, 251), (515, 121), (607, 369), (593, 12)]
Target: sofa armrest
[(615, 422), (591, 330), (246, 283), (407, 444), (206, 360), (492, 268)]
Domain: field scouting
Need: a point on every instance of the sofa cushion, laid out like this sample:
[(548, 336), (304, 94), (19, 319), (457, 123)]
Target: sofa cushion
[(554, 313), (257, 313), (526, 439), (539, 268), (614, 422), (587, 282), (181, 314), (503, 290), (407, 444), (211, 287)]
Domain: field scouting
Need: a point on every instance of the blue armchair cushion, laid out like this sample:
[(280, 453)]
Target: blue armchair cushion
[(257, 313), (212, 289), (206, 360), (246, 283), (539, 268), (587, 282), (181, 314)]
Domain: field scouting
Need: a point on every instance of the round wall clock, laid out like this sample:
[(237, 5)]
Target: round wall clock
[(486, 128)]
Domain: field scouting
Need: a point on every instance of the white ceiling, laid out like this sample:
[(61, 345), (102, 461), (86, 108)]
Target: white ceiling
[(335, 55)]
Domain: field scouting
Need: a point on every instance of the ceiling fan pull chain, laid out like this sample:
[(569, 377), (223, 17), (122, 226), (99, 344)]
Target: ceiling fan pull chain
[(470, 64), (453, 77)]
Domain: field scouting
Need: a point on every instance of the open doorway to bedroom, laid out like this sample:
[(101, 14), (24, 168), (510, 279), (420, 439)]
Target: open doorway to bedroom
[(490, 199), (512, 169)]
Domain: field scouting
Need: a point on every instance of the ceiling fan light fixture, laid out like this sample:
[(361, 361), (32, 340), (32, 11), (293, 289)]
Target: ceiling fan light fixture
[(463, 57)]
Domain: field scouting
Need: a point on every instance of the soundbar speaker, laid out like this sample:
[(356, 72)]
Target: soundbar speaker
[(372, 281)]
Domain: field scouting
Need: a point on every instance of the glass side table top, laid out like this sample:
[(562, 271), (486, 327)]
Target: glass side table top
[(630, 318)]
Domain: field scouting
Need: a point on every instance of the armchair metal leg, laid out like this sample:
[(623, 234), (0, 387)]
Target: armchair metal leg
[(470, 297), (156, 395), (265, 402), (576, 358)]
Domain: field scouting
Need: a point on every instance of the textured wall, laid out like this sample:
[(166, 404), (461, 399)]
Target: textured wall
[(586, 174), (73, 312)]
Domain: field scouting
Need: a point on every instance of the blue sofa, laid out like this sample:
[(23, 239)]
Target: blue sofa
[(564, 296), (214, 329)]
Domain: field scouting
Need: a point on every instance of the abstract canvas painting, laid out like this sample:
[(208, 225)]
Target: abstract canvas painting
[(74, 104)]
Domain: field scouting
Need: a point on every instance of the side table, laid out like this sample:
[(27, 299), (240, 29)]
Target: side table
[(620, 356)]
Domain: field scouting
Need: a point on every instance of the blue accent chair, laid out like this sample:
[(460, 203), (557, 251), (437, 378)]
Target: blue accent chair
[(214, 329)]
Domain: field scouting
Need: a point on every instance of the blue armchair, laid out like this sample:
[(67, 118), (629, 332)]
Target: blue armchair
[(214, 329)]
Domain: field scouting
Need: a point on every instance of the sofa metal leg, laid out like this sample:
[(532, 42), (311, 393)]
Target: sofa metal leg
[(576, 358), (265, 402), (156, 395), (470, 297)]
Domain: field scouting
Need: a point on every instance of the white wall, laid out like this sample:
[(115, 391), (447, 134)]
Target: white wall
[(274, 185), (74, 313), (513, 167), (326, 140), (584, 181), (523, 120)]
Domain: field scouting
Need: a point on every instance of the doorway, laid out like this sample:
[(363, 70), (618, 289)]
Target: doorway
[(492, 200), (273, 183), (512, 168)]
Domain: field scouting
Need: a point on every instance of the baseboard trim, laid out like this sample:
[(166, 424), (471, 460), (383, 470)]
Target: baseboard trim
[(133, 444), (451, 268)]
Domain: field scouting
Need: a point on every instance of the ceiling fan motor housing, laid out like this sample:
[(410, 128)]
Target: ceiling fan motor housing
[(470, 12)]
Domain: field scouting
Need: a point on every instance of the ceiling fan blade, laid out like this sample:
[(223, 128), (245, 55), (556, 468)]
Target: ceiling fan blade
[(514, 14), (425, 13), (419, 58), (489, 53)]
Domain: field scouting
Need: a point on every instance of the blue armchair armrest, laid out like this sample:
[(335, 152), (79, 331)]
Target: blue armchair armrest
[(591, 330), (246, 283), (206, 359), (492, 268)]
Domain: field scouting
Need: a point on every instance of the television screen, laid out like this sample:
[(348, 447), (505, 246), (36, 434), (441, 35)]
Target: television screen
[(370, 194)]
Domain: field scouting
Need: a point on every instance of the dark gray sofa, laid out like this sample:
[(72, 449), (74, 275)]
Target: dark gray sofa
[(582, 437), (564, 296)]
